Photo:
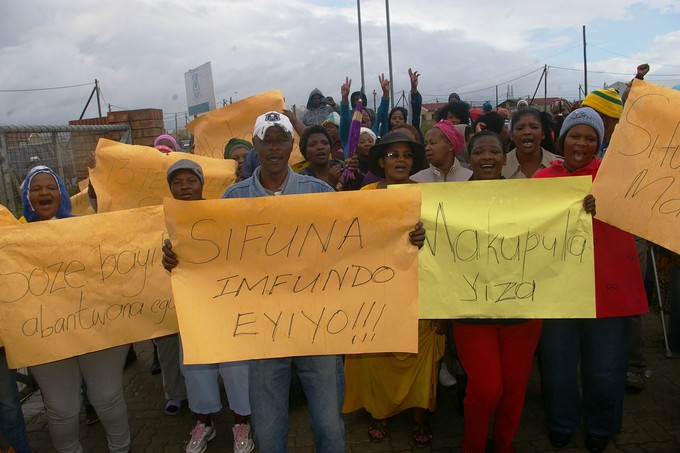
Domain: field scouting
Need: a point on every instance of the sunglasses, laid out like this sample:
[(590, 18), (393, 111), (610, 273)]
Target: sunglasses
[(396, 155)]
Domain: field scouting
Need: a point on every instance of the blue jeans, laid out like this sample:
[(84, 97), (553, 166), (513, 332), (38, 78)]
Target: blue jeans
[(601, 345), (323, 381), (11, 417)]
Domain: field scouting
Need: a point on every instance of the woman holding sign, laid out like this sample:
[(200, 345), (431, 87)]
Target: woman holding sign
[(45, 197), (496, 354), (386, 384), (600, 344)]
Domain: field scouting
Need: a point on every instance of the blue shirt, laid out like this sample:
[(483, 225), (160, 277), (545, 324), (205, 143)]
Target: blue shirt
[(295, 184)]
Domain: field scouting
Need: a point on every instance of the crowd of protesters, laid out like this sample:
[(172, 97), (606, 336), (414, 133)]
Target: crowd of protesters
[(495, 356)]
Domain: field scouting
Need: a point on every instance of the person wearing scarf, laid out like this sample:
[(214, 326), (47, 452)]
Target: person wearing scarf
[(443, 142), (45, 197), (237, 149)]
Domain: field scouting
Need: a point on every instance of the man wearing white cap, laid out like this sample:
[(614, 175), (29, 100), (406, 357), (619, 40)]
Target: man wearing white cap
[(322, 377)]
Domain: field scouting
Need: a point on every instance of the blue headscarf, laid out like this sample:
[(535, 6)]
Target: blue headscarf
[(64, 209)]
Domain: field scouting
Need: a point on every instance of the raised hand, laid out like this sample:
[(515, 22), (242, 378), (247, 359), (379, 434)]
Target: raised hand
[(413, 75), (344, 90), (385, 85), (642, 71)]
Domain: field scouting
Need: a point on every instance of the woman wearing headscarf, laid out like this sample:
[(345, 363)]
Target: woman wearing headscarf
[(45, 197), (386, 384), (599, 344), (237, 149), (443, 142), (165, 143)]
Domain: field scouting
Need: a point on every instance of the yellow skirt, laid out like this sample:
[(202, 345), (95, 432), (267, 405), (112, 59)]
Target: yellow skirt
[(386, 384)]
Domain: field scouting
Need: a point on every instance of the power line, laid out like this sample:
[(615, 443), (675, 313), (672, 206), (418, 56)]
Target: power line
[(504, 83), (631, 58), (46, 89), (614, 73)]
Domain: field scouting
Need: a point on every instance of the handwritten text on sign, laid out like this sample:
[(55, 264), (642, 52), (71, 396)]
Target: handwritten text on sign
[(638, 185), (507, 249), (77, 285), (327, 273), (214, 129), (132, 176)]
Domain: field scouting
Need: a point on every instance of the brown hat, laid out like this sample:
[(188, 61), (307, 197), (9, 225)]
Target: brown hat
[(378, 150)]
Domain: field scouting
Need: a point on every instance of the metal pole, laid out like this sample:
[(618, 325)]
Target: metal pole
[(585, 62), (99, 105), (545, 88), (389, 52), (669, 353), (496, 97), (361, 47), (57, 154), (7, 197), (94, 90)]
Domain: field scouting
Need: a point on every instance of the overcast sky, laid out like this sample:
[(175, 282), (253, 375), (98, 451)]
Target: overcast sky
[(140, 50)]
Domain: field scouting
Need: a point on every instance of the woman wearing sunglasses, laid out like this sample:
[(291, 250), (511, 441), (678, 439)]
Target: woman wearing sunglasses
[(395, 159), (386, 384)]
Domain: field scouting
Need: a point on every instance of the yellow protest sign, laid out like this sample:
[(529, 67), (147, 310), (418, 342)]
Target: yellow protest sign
[(214, 129), (637, 185), (507, 249), (80, 203), (6, 217), (83, 284), (328, 273), (132, 176)]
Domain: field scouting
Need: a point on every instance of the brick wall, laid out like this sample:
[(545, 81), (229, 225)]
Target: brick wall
[(146, 124)]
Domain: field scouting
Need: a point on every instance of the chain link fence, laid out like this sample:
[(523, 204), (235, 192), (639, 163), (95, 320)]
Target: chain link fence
[(65, 149)]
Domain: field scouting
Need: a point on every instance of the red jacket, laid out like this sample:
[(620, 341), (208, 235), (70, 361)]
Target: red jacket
[(619, 290)]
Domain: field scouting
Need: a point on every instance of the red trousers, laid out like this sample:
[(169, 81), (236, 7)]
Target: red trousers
[(497, 359)]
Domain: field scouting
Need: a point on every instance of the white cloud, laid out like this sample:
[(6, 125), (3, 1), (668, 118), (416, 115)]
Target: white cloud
[(140, 50)]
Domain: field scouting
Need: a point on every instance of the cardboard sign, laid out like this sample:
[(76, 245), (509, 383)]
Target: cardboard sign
[(214, 129), (80, 203), (132, 176), (6, 217), (82, 284), (638, 185), (507, 249), (327, 273)]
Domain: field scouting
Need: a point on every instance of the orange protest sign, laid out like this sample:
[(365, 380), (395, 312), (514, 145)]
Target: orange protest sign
[(80, 203), (310, 274), (6, 217), (131, 176), (214, 129), (637, 186), (82, 284)]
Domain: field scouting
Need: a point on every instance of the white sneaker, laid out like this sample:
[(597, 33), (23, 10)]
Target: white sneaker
[(242, 441), (200, 436), (445, 377)]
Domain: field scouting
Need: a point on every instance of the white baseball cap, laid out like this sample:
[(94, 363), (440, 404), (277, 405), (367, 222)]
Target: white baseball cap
[(269, 119)]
